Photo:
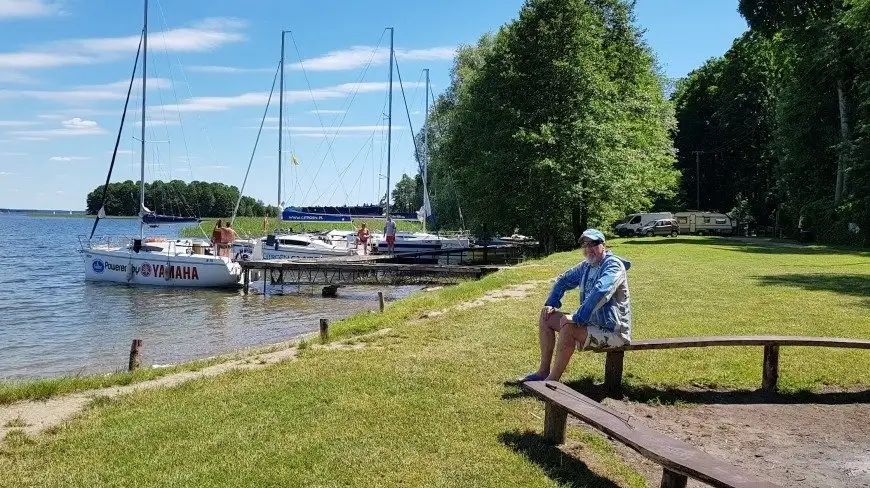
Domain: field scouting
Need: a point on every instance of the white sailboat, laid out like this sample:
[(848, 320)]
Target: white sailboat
[(287, 245), (154, 261), (416, 242)]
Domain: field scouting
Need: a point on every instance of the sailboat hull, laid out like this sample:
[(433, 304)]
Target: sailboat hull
[(160, 269)]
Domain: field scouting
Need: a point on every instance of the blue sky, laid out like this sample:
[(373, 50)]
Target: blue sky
[(64, 66)]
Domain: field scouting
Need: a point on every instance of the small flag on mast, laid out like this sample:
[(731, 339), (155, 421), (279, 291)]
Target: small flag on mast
[(293, 158)]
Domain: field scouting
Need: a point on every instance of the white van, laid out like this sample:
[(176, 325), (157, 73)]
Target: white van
[(631, 223), (705, 223)]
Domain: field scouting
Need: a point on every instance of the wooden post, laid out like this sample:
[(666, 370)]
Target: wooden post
[(613, 372), (671, 479), (555, 423), (247, 273), (771, 368), (134, 354), (381, 301), (324, 329)]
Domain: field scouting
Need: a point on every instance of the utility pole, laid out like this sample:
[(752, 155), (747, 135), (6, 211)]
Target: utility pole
[(698, 178)]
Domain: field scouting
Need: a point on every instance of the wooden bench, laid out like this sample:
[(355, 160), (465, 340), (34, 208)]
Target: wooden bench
[(679, 460), (770, 372)]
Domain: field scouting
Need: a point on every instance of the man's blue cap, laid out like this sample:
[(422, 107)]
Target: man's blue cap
[(593, 234)]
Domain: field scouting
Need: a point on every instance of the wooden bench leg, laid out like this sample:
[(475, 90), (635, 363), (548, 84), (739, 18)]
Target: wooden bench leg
[(555, 423), (771, 368), (671, 479), (613, 372)]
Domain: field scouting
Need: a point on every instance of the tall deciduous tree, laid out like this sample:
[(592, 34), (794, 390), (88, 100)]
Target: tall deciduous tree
[(555, 123)]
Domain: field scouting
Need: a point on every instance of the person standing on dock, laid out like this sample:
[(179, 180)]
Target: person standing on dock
[(603, 320), (363, 237), (390, 233)]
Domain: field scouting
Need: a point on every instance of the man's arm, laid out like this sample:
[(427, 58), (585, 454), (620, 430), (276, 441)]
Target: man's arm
[(612, 274), (566, 281)]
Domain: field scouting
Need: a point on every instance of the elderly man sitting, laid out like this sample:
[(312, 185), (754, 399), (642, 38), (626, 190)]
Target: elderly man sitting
[(604, 318)]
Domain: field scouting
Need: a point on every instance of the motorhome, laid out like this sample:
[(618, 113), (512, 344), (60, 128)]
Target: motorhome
[(705, 223), (631, 223)]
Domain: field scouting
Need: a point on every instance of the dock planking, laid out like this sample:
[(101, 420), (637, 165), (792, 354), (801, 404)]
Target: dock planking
[(357, 270)]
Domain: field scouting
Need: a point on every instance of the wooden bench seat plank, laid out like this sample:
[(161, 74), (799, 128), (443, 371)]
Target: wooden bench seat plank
[(672, 454), (680, 342)]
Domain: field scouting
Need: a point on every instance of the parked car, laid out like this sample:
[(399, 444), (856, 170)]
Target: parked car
[(661, 227), (630, 225)]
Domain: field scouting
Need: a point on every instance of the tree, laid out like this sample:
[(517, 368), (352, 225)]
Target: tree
[(557, 122), (726, 116), (405, 197)]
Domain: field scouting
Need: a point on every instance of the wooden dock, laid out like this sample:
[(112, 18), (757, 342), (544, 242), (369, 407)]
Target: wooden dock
[(332, 272)]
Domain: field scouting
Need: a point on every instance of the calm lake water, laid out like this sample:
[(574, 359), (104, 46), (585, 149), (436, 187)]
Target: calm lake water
[(53, 322)]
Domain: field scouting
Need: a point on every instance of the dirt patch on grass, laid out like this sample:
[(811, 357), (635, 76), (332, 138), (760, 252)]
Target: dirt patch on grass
[(516, 292), (791, 444), (33, 417)]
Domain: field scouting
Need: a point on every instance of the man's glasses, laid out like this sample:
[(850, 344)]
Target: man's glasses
[(585, 244)]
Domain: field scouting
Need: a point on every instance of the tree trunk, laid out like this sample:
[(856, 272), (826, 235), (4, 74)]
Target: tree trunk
[(577, 227), (844, 136)]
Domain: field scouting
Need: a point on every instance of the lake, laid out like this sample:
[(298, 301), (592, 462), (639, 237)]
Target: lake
[(53, 322)]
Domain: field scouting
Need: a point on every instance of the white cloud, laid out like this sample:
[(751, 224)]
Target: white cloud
[(77, 123), (358, 56), (73, 127), (218, 104), (227, 69), (14, 154), (66, 159), (32, 138), (212, 166), (327, 111), (16, 123), (59, 192), (157, 123), (27, 8), (9, 76), (353, 57), (87, 93), (335, 129), (80, 111), (36, 59), (205, 35), (5, 173)]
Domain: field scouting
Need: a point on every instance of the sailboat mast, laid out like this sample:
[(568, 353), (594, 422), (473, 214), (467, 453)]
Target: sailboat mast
[(142, 134), (280, 120), (426, 154), (390, 120)]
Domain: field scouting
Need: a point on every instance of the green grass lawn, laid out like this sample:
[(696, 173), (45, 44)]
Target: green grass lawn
[(253, 226), (426, 403)]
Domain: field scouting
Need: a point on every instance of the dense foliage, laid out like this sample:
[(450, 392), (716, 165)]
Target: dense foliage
[(197, 198), (782, 120), (555, 123)]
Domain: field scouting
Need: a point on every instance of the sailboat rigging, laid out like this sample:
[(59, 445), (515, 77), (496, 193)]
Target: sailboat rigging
[(154, 261)]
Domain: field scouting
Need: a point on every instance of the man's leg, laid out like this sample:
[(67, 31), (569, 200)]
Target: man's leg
[(569, 337), (547, 327)]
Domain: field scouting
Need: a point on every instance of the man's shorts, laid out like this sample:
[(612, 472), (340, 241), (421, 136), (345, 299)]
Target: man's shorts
[(391, 240), (598, 339)]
